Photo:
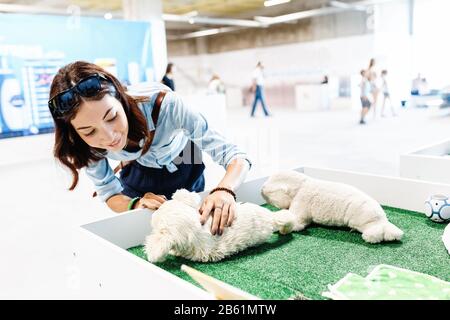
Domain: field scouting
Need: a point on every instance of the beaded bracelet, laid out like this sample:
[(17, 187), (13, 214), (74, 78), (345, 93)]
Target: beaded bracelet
[(224, 189), (133, 202)]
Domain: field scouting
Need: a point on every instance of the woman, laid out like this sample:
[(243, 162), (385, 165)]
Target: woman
[(365, 96), (96, 120), (375, 90)]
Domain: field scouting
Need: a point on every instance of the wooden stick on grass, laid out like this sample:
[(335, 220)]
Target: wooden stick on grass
[(221, 290)]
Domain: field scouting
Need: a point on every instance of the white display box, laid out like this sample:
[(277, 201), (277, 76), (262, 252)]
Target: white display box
[(108, 271), (429, 163), (27, 149)]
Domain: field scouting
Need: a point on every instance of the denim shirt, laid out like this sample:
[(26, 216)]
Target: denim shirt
[(176, 125)]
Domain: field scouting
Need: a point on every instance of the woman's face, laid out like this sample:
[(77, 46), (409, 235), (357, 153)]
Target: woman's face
[(102, 124)]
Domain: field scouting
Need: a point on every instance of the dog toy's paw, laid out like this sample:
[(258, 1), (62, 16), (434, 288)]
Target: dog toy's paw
[(392, 233), (154, 255), (299, 226), (385, 231), (157, 247), (287, 228), (372, 238), (284, 221), (373, 234)]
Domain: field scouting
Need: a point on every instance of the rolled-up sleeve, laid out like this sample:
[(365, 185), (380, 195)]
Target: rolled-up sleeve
[(106, 183), (196, 128)]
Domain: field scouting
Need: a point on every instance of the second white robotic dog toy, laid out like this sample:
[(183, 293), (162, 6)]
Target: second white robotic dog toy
[(329, 203)]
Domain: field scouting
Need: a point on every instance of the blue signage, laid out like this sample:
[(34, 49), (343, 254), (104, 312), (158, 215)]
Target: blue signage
[(34, 47)]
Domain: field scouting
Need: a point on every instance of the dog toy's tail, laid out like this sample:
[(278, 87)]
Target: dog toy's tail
[(283, 221)]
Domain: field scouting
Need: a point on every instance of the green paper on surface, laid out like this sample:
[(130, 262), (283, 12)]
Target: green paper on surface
[(387, 282)]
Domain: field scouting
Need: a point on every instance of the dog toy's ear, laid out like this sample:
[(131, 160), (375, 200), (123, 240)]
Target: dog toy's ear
[(277, 187), (157, 246), (192, 199)]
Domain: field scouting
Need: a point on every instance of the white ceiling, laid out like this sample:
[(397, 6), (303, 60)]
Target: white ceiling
[(227, 8), (213, 9)]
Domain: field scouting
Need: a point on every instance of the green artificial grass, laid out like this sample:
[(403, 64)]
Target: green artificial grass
[(304, 263)]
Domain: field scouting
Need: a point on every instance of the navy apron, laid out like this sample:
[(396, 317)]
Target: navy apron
[(138, 179)]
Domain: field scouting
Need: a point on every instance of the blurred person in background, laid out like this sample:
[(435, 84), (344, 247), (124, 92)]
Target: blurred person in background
[(374, 88), (216, 86), (366, 102), (168, 76), (258, 89), (415, 86), (386, 94)]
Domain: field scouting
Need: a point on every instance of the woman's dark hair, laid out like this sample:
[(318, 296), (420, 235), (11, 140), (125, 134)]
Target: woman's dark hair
[(169, 67), (69, 148)]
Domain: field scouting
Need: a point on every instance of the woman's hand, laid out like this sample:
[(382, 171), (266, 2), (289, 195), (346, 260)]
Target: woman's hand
[(151, 201), (222, 206)]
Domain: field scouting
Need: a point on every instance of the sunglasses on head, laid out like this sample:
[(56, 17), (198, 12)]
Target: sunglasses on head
[(65, 100)]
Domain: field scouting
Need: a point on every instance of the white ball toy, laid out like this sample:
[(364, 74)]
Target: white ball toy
[(437, 208)]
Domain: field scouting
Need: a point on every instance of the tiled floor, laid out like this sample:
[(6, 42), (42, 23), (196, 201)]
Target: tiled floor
[(38, 216)]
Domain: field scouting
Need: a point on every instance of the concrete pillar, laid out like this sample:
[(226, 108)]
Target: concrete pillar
[(205, 71), (151, 11), (393, 45), (411, 17)]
